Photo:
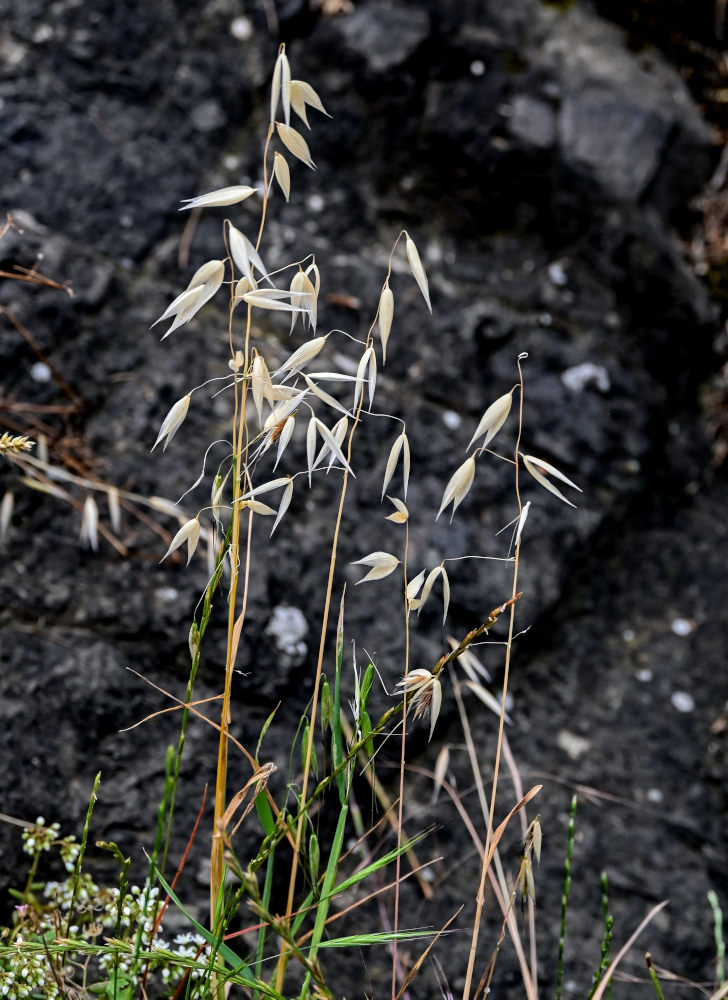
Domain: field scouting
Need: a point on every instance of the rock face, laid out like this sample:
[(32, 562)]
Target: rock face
[(545, 169)]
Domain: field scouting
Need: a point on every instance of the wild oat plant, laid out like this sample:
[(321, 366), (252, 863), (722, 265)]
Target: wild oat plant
[(75, 938)]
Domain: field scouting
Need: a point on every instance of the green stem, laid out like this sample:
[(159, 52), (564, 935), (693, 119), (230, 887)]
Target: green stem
[(565, 897)]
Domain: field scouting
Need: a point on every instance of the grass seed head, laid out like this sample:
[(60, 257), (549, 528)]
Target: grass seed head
[(6, 514), (173, 421), (382, 563), (302, 93), (89, 533), (386, 315), (493, 419), (540, 470), (418, 271), (295, 144), (458, 486), (220, 198), (425, 693), (15, 444), (282, 173), (189, 533)]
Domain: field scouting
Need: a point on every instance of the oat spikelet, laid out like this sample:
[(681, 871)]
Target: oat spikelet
[(261, 384), (220, 198), (521, 522), (295, 144), (302, 93), (493, 419), (173, 421), (284, 504), (282, 174), (15, 444), (401, 514), (418, 270), (307, 352), (189, 533), (6, 514), (386, 314), (413, 589), (429, 583), (284, 437), (401, 444), (204, 283), (89, 533), (112, 499), (458, 487), (382, 563), (244, 255), (540, 469)]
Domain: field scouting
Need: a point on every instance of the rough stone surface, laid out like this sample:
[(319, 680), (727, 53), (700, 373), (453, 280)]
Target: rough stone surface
[(544, 162)]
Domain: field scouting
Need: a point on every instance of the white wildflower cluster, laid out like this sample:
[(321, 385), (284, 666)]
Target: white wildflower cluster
[(40, 837), (186, 946), (23, 972)]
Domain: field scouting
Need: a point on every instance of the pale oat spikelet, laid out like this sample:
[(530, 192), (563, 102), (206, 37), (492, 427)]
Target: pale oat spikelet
[(533, 839), (311, 291), (418, 270), (284, 437), (413, 589), (245, 257), (173, 421), (324, 396), (401, 514), (220, 198), (278, 299), (258, 507), (333, 445), (262, 385), (368, 364), (296, 288), (302, 93), (6, 514), (458, 486), (274, 484), (489, 700), (472, 666), (295, 144), (441, 765), (282, 173), (281, 86), (218, 485), (386, 315), (89, 533), (425, 694), (203, 285), (189, 533), (242, 287), (382, 563), (429, 583), (492, 420), (14, 444), (305, 353), (540, 469), (112, 500), (338, 432), (521, 522), (401, 444), (284, 504)]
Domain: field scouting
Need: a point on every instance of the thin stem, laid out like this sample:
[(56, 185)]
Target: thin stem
[(400, 805)]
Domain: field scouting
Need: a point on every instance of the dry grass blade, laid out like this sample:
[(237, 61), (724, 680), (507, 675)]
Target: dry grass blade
[(220, 198), (282, 174), (418, 271), (257, 782), (295, 144), (441, 765), (458, 486), (418, 964), (386, 315), (540, 469)]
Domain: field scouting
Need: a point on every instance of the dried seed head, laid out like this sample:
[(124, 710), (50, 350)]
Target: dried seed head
[(295, 144), (425, 694), (413, 589), (284, 504), (112, 499), (284, 437), (441, 765), (14, 444), (382, 563), (89, 533), (540, 469), (189, 533), (386, 314), (307, 352), (493, 419), (532, 843), (458, 487), (429, 583), (261, 383), (216, 495), (281, 86), (220, 198), (258, 507), (521, 521), (173, 421), (282, 174), (418, 270)]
